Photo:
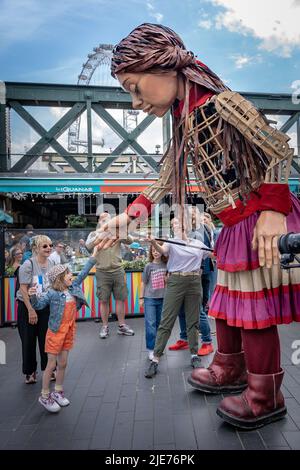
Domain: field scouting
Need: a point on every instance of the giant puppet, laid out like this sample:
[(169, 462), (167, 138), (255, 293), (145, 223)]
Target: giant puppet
[(243, 164)]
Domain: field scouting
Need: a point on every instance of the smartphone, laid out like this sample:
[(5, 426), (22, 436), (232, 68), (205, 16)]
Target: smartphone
[(38, 281)]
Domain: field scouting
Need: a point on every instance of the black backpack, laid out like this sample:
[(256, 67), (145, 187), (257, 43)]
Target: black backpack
[(16, 274)]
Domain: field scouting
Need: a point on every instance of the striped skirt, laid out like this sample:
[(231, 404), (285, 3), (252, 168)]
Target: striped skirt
[(247, 295)]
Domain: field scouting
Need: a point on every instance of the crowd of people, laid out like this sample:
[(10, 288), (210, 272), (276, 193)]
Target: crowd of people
[(48, 298), (182, 293), (242, 165), (18, 249)]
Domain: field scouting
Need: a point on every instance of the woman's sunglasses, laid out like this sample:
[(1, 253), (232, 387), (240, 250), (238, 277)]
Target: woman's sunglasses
[(48, 244)]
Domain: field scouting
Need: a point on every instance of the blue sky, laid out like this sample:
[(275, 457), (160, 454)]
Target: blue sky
[(253, 45)]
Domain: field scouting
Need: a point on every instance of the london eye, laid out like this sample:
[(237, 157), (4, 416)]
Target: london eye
[(96, 71)]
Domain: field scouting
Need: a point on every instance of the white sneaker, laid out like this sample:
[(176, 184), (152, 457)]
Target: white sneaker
[(150, 355), (125, 330), (104, 332), (60, 398), (49, 404)]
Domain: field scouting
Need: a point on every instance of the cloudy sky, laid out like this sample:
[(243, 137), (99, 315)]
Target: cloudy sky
[(254, 45)]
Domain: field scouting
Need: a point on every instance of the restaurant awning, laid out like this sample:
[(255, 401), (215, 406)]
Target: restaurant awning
[(115, 185), (77, 185)]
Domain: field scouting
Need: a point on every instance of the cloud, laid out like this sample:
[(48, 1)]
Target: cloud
[(243, 60), (150, 6), (158, 16), (206, 24), (155, 14), (273, 22)]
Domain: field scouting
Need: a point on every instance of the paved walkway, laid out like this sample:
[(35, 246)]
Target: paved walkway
[(114, 407)]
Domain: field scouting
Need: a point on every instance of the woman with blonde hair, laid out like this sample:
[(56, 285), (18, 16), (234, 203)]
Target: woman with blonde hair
[(32, 325)]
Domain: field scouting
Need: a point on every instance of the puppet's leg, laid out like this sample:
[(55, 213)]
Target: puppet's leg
[(227, 372), (262, 402)]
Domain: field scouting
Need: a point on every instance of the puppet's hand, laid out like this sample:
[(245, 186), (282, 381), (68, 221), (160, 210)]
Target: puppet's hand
[(110, 233), (95, 251), (269, 226)]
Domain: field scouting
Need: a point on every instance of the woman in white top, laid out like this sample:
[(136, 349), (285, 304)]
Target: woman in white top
[(32, 325)]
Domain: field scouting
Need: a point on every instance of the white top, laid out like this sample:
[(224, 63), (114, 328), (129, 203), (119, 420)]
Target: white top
[(69, 297), (31, 272), (185, 258)]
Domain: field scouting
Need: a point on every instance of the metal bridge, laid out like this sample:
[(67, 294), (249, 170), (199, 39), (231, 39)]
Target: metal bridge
[(16, 97)]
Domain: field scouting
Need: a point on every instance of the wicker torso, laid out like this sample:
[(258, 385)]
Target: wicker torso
[(227, 139), (233, 150)]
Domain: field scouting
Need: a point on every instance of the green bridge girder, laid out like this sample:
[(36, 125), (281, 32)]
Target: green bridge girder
[(79, 98)]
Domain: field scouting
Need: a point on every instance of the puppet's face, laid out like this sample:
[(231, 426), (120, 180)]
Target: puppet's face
[(152, 93)]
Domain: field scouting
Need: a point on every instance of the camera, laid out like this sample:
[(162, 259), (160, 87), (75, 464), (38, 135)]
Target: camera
[(289, 247)]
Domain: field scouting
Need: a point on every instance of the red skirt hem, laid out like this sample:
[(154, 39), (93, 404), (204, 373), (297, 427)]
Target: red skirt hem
[(262, 294), (250, 325), (242, 266)]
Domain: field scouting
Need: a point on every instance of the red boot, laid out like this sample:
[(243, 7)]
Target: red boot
[(226, 374), (261, 403)]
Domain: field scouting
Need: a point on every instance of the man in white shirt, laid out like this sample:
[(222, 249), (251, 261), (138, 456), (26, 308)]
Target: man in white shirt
[(183, 286), (57, 256)]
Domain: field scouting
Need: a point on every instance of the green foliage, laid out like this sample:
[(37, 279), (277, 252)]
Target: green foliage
[(76, 221), (135, 265), (9, 271)]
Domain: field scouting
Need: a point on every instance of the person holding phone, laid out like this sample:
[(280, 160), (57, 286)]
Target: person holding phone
[(32, 324)]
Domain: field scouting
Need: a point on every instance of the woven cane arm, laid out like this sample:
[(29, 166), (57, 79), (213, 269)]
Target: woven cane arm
[(243, 115), (163, 185)]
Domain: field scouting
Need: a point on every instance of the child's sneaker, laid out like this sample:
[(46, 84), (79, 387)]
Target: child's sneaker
[(125, 330), (49, 404), (60, 398), (152, 370), (104, 332)]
